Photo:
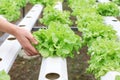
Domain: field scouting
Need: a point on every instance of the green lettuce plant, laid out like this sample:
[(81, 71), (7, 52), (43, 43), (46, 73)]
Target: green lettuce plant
[(108, 9), (104, 57), (9, 10), (51, 14), (57, 40)]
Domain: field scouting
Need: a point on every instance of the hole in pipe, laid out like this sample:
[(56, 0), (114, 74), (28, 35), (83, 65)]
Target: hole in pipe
[(33, 11), (115, 20), (52, 76), (22, 25), (12, 38), (96, 0), (29, 17), (0, 59)]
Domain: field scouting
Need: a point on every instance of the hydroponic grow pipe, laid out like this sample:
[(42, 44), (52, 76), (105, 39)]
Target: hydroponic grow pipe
[(103, 1), (54, 68)]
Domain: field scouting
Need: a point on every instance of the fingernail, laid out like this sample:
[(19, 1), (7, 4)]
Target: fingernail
[(36, 42)]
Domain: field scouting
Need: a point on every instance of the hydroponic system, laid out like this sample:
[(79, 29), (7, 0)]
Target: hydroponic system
[(95, 20)]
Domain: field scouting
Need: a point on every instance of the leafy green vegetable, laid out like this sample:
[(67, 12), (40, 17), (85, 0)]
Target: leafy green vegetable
[(92, 27), (51, 14), (96, 30), (108, 9), (117, 2), (20, 3), (78, 3), (44, 2), (85, 10), (104, 57), (57, 40), (4, 75), (9, 9)]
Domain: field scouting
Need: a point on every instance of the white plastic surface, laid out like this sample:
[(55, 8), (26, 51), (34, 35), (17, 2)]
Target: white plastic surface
[(10, 48), (32, 16), (103, 1), (110, 75), (53, 65), (114, 23), (58, 6), (8, 53)]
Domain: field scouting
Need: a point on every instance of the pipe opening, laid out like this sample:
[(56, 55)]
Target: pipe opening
[(33, 11), (0, 59), (96, 0), (22, 25), (52, 76), (12, 38), (29, 17), (115, 20)]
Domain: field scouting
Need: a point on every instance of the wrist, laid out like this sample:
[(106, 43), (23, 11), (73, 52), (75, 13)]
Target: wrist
[(14, 30)]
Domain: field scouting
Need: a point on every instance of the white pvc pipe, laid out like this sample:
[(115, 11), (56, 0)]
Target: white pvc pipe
[(103, 1), (54, 68), (110, 75), (10, 47), (31, 18), (58, 6), (114, 23)]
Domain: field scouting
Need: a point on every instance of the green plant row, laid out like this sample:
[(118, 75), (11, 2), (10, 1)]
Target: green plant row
[(10, 9), (103, 48)]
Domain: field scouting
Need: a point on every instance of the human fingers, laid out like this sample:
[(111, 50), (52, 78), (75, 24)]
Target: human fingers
[(30, 49), (27, 53), (26, 44), (32, 39)]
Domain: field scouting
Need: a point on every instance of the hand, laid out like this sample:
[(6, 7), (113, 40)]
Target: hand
[(23, 36), (26, 40)]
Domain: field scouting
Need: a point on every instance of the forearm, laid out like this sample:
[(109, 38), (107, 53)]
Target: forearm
[(5, 26)]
